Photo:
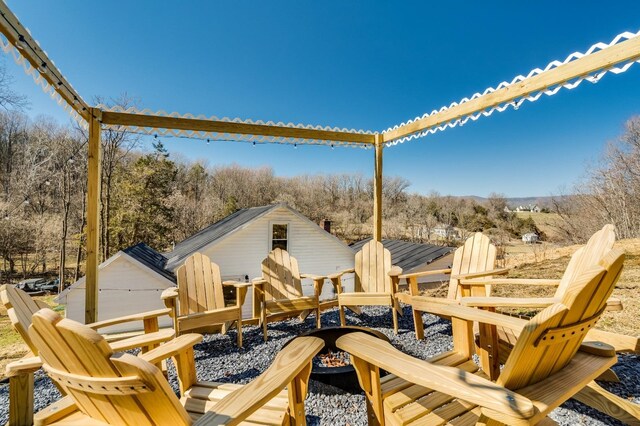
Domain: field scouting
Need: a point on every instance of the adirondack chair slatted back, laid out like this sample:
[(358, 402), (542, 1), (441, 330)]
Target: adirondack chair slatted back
[(476, 255), (372, 265), (587, 256), (199, 285), (551, 338), (115, 389), (20, 306), (280, 271)]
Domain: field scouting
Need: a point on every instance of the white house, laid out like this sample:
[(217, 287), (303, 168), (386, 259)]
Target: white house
[(131, 281), (446, 232), (530, 238), (239, 243)]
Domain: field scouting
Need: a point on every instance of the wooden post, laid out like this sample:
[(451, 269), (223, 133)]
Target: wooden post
[(94, 167), (377, 190)]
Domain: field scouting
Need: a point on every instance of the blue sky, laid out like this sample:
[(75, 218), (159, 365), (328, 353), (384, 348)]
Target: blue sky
[(356, 64)]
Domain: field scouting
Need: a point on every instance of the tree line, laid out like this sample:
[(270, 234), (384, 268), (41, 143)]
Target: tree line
[(149, 196), (610, 192)]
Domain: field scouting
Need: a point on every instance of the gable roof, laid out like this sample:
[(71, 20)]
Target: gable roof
[(408, 255), (214, 232), (140, 255), (151, 259), (234, 222)]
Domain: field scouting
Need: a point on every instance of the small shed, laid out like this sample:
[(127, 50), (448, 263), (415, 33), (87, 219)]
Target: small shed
[(239, 242), (530, 238), (131, 281), (417, 257)]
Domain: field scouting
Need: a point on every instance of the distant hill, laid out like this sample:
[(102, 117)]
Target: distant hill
[(517, 201)]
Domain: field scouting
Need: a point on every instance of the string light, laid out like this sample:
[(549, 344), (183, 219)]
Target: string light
[(208, 141), (19, 44)]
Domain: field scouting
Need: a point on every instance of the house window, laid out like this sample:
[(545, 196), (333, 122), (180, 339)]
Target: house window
[(279, 236)]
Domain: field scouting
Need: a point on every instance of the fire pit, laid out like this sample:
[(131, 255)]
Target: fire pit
[(333, 366)]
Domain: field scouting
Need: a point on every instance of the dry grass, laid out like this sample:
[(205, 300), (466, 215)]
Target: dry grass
[(12, 346), (523, 265)]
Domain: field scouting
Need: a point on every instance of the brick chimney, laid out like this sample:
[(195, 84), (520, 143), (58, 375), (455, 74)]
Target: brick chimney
[(326, 225)]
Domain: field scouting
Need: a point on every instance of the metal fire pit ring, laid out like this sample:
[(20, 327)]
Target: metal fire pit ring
[(344, 377)]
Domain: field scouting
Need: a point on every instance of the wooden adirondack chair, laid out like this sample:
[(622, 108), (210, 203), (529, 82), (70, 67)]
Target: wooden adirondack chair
[(585, 257), (20, 308), (121, 389), (476, 258), (548, 365), (279, 290), (198, 300), (376, 282)]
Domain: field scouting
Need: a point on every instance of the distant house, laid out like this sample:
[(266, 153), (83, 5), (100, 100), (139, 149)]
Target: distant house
[(530, 238), (416, 257), (131, 281), (240, 241), (446, 232)]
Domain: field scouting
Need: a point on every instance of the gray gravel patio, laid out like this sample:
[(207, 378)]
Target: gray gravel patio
[(218, 359)]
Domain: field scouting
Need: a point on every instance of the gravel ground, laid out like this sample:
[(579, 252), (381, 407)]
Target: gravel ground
[(218, 359)]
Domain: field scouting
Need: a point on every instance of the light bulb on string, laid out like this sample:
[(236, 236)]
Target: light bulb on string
[(42, 69), (20, 42), (208, 141), (295, 146)]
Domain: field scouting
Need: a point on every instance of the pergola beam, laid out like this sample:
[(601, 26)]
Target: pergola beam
[(227, 127), (19, 36), (625, 51)]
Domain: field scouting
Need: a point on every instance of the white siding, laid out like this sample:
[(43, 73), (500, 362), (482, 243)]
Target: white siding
[(125, 288), (317, 252)]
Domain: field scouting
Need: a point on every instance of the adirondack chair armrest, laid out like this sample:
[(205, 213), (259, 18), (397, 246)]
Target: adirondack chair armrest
[(451, 308), (395, 271), (511, 281), (258, 284), (129, 318), (341, 273), (424, 273), (176, 346), (501, 271), (24, 365), (293, 363), (509, 302), (314, 277), (143, 340), (236, 284), (448, 380), (169, 293)]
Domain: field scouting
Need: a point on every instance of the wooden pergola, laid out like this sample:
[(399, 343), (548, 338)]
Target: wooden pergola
[(616, 57)]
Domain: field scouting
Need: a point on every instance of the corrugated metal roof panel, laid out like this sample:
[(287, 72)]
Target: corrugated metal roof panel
[(150, 258), (213, 232)]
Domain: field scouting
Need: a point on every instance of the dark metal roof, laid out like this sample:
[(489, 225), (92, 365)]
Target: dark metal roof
[(206, 236), (408, 255), (151, 259)]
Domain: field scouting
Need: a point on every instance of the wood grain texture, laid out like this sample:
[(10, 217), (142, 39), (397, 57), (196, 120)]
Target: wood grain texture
[(108, 388), (196, 124), (201, 299), (94, 173), (279, 290)]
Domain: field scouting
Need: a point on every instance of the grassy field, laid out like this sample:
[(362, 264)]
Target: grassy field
[(544, 221), (625, 321)]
